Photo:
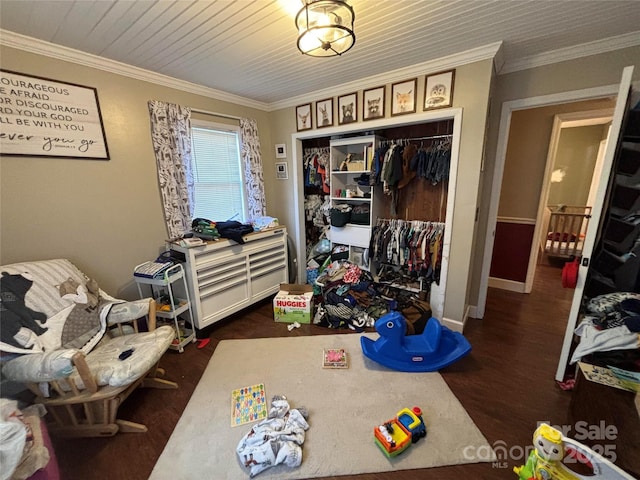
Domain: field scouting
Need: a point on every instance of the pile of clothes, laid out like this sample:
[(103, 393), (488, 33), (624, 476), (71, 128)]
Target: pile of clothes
[(349, 298), (275, 440), (609, 331)]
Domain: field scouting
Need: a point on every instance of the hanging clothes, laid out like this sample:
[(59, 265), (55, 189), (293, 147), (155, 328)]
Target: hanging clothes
[(413, 247), (316, 200), (433, 162), (315, 161)]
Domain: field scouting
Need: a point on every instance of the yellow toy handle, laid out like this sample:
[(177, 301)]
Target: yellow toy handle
[(414, 417)]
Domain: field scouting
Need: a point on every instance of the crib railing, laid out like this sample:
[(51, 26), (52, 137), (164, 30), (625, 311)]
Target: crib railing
[(566, 230)]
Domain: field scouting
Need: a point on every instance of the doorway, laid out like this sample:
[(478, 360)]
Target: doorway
[(531, 147), (572, 175)]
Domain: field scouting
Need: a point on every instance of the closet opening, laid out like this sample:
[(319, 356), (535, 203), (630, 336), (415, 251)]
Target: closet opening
[(424, 201)]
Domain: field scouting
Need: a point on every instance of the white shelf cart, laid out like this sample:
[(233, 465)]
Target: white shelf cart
[(160, 285)]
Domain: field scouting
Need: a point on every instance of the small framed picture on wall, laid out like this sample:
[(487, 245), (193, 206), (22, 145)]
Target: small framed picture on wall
[(281, 171), (281, 150), (324, 113), (403, 97), (438, 90), (303, 117), (348, 108), (373, 103)]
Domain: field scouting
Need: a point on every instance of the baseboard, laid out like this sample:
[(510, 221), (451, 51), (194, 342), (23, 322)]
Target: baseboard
[(455, 325), (473, 312), (505, 284)]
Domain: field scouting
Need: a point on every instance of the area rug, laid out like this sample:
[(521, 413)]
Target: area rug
[(344, 406)]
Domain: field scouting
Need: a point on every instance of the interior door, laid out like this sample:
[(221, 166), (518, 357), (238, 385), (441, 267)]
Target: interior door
[(594, 224)]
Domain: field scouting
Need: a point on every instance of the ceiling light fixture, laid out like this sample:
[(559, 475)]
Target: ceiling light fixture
[(325, 28)]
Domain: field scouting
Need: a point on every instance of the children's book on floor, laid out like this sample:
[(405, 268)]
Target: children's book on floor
[(334, 358)]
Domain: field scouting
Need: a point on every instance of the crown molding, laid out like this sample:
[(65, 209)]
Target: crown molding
[(570, 53), (33, 45), (469, 56)]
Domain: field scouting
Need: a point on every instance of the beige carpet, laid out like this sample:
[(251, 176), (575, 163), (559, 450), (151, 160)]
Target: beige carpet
[(344, 405)]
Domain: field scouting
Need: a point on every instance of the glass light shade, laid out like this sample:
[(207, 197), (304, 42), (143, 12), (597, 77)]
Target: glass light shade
[(325, 28)]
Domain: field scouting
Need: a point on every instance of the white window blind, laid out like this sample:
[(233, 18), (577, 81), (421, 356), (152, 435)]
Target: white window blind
[(219, 186)]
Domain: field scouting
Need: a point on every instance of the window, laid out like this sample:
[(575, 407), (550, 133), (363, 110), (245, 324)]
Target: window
[(219, 192)]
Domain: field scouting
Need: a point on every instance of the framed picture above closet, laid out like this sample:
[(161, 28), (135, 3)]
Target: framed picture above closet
[(347, 108), (324, 113), (303, 117), (403, 97), (438, 90), (373, 103)]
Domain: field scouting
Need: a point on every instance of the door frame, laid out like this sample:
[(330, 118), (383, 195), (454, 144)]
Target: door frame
[(501, 153), (560, 121)]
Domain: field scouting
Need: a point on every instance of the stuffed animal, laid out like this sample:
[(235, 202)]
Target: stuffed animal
[(88, 294)]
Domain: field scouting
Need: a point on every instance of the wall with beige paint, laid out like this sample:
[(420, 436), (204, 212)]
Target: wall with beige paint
[(472, 85), (106, 216), (582, 73), (526, 156), (575, 160)]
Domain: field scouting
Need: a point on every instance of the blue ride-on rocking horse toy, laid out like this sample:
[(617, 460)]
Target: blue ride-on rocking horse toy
[(435, 348)]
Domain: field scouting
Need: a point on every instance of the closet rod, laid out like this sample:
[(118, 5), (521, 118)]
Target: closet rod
[(411, 139), (389, 220), (215, 114), (430, 137)]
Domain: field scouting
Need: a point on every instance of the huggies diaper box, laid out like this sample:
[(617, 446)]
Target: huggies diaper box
[(293, 303)]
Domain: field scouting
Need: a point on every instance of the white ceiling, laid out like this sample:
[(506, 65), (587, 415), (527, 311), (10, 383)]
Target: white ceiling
[(248, 47)]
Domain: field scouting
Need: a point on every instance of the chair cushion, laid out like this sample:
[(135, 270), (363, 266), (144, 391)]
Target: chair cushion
[(108, 369), (127, 311), (41, 367)]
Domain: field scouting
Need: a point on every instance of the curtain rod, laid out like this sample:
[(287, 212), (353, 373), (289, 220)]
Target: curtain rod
[(215, 114)]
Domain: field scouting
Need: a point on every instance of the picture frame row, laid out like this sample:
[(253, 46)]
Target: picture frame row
[(438, 93)]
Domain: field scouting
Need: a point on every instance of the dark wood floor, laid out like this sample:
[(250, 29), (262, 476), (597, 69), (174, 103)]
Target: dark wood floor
[(506, 384)]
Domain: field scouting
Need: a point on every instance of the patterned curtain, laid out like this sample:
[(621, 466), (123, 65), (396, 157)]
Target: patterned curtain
[(171, 137), (252, 166)]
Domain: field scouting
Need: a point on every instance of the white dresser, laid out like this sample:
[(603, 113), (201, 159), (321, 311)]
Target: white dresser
[(224, 277)]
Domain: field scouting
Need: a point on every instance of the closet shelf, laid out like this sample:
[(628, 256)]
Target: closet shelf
[(632, 128), (345, 172), (354, 152), (629, 162), (351, 199), (625, 200), (621, 235)]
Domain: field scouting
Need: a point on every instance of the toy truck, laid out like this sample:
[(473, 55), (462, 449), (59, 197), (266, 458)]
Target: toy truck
[(394, 436)]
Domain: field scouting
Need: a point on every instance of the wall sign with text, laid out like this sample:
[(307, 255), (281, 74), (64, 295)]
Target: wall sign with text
[(42, 117)]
